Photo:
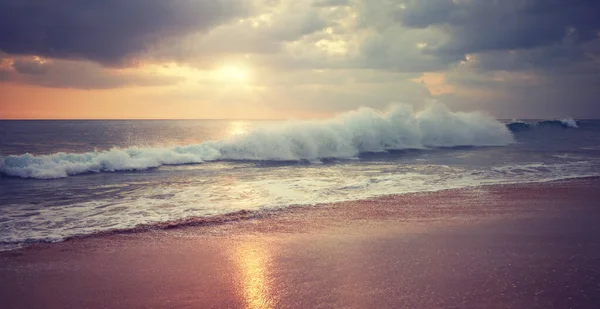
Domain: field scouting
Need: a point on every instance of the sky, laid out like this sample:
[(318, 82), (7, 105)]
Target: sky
[(262, 59)]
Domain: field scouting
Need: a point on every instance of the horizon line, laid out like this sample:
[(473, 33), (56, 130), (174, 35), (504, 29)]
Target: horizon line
[(233, 119), (120, 119)]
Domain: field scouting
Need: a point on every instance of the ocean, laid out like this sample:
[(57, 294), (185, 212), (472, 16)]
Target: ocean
[(64, 178)]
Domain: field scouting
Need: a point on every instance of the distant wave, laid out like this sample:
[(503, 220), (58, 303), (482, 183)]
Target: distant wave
[(517, 126), (567, 123), (344, 137)]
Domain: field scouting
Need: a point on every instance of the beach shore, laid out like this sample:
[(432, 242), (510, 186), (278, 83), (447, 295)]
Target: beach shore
[(505, 246)]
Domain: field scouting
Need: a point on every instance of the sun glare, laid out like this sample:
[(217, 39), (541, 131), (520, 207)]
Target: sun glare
[(238, 128), (233, 74)]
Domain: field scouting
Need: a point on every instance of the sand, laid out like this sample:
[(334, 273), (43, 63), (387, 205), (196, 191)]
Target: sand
[(510, 246)]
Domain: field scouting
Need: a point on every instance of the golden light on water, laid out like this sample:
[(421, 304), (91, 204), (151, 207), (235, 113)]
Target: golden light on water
[(252, 260), (238, 128)]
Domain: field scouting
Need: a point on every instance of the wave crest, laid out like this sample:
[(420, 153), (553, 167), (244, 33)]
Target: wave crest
[(344, 136), (517, 126)]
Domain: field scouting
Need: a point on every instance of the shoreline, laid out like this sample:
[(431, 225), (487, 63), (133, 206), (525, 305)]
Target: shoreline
[(242, 215), (533, 245)]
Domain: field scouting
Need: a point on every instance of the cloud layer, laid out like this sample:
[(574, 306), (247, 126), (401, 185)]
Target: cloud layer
[(512, 58), (105, 31)]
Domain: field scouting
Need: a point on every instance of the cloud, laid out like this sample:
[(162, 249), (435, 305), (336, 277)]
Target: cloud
[(348, 95), (293, 35), (77, 75), (568, 91), (400, 49), (537, 58), (331, 3), (273, 25), (486, 25), (382, 42), (110, 32), (306, 92), (29, 66), (317, 55)]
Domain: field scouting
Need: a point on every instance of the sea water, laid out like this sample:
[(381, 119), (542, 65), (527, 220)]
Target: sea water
[(75, 177)]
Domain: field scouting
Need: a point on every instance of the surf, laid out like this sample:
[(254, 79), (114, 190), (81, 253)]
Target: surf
[(345, 136)]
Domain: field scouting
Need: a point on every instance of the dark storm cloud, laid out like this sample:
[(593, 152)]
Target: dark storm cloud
[(485, 25), (535, 58), (105, 31), (77, 75), (554, 96), (29, 66), (548, 58)]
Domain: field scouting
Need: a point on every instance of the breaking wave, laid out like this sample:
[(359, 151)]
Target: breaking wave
[(518, 126), (343, 137)]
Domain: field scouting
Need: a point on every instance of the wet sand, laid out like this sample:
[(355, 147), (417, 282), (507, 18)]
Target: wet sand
[(510, 246)]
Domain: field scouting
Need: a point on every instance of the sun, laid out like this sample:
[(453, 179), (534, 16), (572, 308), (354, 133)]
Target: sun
[(233, 74)]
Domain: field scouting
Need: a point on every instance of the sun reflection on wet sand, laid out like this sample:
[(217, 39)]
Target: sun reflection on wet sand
[(252, 260)]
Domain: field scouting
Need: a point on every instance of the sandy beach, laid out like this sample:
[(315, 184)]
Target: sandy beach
[(504, 246)]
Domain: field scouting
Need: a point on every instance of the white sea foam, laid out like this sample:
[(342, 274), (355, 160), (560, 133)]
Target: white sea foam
[(519, 125), (344, 137), (569, 122), (259, 189)]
